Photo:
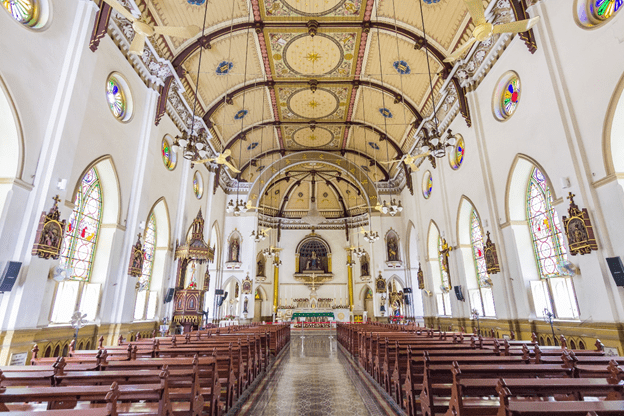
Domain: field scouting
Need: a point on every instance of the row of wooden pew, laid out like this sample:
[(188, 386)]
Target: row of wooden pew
[(431, 372), (201, 373)]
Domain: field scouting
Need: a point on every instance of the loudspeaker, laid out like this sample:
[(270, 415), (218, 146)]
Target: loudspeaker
[(617, 270), (459, 294), (407, 290), (169, 295), (222, 298), (406, 300), (9, 275), (218, 292)]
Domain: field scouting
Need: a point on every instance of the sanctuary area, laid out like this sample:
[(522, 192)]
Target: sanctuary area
[(312, 207)]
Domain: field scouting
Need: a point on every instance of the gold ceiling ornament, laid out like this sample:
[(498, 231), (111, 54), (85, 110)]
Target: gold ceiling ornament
[(579, 230), (50, 232)]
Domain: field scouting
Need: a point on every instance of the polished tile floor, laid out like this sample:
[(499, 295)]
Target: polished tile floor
[(314, 378)]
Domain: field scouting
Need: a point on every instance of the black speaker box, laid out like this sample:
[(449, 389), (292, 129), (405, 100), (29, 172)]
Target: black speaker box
[(617, 270), (459, 294), (9, 275), (169, 295)]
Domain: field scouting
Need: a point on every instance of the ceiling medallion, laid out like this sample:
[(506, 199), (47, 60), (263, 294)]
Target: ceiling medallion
[(385, 112), (373, 145), (312, 55), (224, 68), (241, 114), (402, 67), (305, 104)]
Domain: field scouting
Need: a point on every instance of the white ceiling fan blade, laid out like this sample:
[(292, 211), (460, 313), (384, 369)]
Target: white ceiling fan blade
[(120, 9), (138, 43), (459, 52), (226, 153), (516, 27), (231, 167), (420, 155), (476, 10), (199, 162), (179, 32), (390, 162)]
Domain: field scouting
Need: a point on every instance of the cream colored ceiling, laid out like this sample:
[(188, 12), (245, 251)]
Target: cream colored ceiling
[(331, 57)]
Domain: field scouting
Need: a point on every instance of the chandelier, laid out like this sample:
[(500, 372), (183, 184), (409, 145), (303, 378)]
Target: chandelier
[(237, 208), (314, 216), (392, 208), (371, 236), (436, 145), (259, 234)]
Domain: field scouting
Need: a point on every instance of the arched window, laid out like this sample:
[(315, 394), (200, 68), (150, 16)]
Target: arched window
[(79, 246), (30, 13), (554, 288), (591, 13), (145, 306), (481, 299), (83, 228)]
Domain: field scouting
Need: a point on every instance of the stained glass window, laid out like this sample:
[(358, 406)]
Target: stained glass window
[(149, 247), (198, 185), (24, 11), (456, 157), (168, 155), (601, 10), (476, 238), (427, 185), (83, 229), (116, 98), (510, 97), (544, 226)]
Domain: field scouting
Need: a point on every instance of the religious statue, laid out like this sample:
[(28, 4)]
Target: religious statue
[(445, 249), (313, 263), (245, 304), (135, 269), (421, 277), (491, 256), (207, 279), (236, 289), (234, 251), (49, 236), (365, 267), (260, 267), (579, 230), (393, 249), (192, 283)]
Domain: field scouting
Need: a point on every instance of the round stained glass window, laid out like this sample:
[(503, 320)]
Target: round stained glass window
[(591, 13), (118, 97), (456, 157), (507, 96), (31, 13), (427, 184), (198, 185), (169, 157)]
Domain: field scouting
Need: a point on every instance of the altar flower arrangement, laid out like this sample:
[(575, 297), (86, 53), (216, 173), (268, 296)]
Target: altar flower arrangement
[(229, 317)]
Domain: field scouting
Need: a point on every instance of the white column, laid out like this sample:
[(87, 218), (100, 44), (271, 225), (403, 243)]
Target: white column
[(124, 286), (17, 305)]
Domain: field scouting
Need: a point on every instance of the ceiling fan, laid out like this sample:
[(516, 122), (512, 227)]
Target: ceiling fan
[(378, 207), (408, 160), (484, 30), (142, 29), (221, 159)]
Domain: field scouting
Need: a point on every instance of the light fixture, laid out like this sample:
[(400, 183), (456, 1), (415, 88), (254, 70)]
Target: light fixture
[(194, 141), (237, 208), (371, 236), (314, 216)]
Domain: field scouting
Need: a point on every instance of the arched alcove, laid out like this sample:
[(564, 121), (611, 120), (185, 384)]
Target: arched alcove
[(613, 132)]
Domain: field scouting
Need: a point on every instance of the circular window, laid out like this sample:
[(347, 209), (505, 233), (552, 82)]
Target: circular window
[(506, 96), (30, 13), (118, 97), (169, 157), (456, 157), (427, 184), (198, 185), (592, 13)]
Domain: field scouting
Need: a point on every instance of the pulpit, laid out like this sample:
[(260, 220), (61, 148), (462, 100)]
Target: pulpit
[(188, 308), (189, 295)]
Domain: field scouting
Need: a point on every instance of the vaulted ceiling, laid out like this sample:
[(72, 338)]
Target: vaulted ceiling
[(283, 77)]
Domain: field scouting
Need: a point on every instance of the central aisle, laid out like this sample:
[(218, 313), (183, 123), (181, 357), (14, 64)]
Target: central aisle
[(314, 378)]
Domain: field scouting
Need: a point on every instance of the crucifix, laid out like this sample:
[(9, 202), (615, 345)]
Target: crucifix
[(313, 294)]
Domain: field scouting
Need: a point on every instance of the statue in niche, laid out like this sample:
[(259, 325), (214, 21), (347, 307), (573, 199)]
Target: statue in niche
[(365, 266), (234, 251), (260, 267), (393, 249), (236, 289), (313, 263), (245, 305)]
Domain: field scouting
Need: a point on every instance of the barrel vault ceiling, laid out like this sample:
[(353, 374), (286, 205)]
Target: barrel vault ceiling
[(280, 77)]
